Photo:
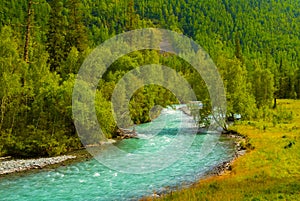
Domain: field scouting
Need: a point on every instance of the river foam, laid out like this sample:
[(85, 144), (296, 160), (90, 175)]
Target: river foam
[(90, 180)]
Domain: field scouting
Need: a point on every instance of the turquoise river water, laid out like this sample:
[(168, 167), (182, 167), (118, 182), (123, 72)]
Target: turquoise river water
[(90, 180)]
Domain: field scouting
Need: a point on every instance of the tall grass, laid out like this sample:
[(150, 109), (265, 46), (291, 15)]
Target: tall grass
[(269, 172)]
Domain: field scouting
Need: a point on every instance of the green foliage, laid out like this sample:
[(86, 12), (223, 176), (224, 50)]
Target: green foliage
[(145, 99), (239, 97), (269, 172), (57, 31), (263, 86), (76, 31), (104, 114), (254, 44)]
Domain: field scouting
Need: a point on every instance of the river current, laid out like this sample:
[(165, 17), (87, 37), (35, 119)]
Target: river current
[(91, 180)]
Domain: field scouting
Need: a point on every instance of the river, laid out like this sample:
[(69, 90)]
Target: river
[(90, 180)]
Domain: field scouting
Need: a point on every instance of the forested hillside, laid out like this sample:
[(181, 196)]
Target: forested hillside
[(255, 45)]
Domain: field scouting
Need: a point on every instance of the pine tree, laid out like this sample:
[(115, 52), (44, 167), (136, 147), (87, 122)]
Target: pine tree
[(131, 17), (238, 51), (56, 44), (263, 86), (76, 31)]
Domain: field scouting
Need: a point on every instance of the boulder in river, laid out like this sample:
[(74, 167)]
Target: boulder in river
[(126, 133)]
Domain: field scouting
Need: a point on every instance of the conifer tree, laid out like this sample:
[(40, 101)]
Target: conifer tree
[(76, 31), (56, 42)]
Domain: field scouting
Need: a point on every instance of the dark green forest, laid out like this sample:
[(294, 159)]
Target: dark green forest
[(255, 44)]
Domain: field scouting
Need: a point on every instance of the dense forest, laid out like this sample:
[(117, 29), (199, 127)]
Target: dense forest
[(255, 45)]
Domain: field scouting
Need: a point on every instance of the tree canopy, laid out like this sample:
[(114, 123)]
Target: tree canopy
[(254, 44)]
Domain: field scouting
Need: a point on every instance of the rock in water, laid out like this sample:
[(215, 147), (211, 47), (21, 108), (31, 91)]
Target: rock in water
[(126, 133)]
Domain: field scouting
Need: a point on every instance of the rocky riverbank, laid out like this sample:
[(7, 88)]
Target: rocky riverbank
[(239, 140), (226, 165), (19, 165), (126, 133), (240, 149), (241, 146), (185, 110)]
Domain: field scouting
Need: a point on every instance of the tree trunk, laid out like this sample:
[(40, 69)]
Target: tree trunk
[(275, 103), (27, 36)]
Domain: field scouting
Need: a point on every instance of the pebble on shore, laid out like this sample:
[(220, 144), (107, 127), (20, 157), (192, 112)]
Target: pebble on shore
[(12, 166)]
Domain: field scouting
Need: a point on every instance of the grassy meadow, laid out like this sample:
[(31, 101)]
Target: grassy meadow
[(271, 171)]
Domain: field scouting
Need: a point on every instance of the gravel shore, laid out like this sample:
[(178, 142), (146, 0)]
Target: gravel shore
[(11, 166)]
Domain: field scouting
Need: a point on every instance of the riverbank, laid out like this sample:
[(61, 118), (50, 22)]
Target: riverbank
[(271, 171), (10, 166), (241, 148), (216, 170), (241, 144), (18, 165)]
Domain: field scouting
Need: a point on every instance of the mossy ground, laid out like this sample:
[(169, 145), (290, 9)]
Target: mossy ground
[(269, 172)]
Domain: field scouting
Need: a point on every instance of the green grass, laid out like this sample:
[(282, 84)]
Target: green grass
[(269, 172)]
